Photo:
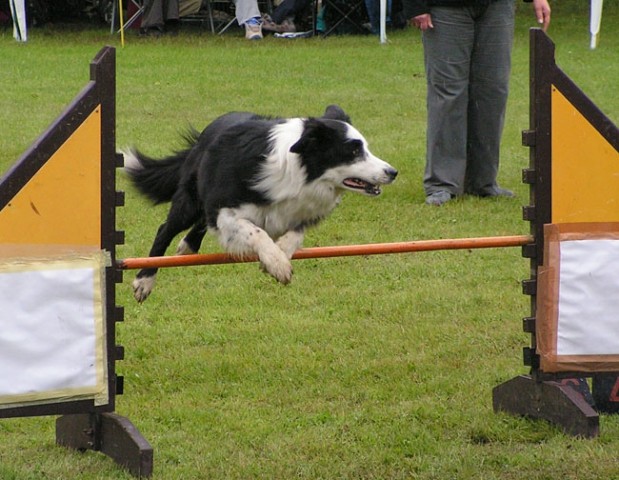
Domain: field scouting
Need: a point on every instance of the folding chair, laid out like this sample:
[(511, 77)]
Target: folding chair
[(200, 17), (337, 12), (227, 25), (215, 17), (134, 7)]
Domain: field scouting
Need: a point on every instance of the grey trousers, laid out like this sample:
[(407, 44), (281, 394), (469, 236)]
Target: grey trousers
[(467, 61), (157, 12), (245, 9)]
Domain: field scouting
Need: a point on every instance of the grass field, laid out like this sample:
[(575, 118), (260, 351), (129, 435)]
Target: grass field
[(363, 368)]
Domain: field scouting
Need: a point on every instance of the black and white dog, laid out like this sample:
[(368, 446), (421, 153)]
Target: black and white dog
[(257, 183)]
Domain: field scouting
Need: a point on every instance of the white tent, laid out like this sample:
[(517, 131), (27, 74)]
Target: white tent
[(596, 20), (18, 12)]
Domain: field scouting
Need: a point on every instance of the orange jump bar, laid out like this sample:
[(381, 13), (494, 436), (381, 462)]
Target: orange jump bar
[(338, 251)]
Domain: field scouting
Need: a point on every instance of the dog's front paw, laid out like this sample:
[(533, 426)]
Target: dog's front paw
[(142, 286), (278, 266)]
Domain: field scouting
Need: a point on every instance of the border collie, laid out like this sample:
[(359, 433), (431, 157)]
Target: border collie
[(257, 183)]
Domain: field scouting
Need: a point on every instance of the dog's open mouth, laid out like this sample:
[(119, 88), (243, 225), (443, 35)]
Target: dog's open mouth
[(358, 184)]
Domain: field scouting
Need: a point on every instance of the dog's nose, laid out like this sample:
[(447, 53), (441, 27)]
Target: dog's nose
[(391, 173)]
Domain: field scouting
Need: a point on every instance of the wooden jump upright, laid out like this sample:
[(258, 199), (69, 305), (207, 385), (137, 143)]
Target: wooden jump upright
[(574, 182), (40, 215)]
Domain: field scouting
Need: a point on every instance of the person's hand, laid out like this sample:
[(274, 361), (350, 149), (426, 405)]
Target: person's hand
[(423, 22), (542, 13)]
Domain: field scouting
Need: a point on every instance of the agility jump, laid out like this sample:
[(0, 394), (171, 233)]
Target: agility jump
[(565, 215)]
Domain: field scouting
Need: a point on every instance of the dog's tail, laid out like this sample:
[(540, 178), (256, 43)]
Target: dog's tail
[(157, 179)]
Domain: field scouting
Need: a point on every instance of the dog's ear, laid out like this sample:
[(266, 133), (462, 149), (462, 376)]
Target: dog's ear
[(315, 133), (335, 112)]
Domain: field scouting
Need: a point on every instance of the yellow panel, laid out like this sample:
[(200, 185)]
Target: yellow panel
[(585, 168), (61, 203)]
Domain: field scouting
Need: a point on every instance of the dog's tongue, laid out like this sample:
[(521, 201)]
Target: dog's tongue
[(355, 183), (362, 185)]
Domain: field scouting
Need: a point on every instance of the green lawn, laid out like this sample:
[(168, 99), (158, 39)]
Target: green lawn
[(363, 368)]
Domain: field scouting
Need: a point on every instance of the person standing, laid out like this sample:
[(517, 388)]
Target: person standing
[(467, 54)]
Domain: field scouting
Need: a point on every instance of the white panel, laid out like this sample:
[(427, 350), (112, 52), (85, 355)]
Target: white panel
[(588, 322), (51, 331)]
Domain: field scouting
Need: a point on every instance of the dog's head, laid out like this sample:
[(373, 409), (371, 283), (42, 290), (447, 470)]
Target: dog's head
[(332, 150)]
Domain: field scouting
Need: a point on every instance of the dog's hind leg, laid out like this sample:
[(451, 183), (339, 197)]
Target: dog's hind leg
[(192, 241), (242, 238), (181, 216)]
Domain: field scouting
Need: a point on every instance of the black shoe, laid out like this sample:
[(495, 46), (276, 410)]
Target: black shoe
[(494, 192), (438, 198)]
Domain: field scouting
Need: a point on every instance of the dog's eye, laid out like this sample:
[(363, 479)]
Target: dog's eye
[(356, 148)]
